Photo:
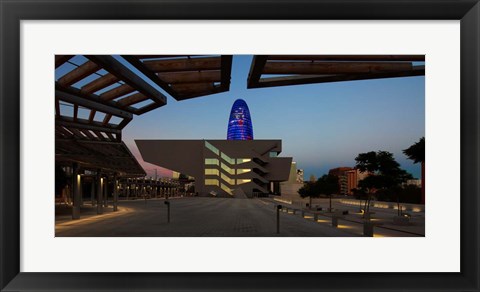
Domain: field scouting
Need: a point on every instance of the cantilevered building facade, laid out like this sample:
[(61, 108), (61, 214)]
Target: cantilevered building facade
[(228, 168)]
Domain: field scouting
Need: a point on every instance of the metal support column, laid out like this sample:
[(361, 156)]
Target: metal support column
[(76, 192), (99, 193), (115, 193)]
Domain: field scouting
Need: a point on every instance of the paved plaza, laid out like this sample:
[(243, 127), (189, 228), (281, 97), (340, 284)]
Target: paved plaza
[(209, 217)]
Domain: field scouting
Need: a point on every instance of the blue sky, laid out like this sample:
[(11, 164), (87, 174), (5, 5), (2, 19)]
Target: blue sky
[(321, 126)]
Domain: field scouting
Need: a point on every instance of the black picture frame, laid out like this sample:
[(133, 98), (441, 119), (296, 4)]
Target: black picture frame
[(12, 12)]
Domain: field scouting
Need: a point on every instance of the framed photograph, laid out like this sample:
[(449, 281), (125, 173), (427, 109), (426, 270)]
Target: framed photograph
[(239, 146)]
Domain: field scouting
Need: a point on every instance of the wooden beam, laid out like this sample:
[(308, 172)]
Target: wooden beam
[(149, 73), (93, 97), (192, 88), (226, 71), (159, 56), (122, 125), (106, 119), (191, 77), (61, 59), (411, 58), (79, 73), (110, 136), (99, 83), (69, 97), (132, 99), (258, 62), (57, 107), (177, 65), (129, 77), (84, 124), (312, 79), (117, 92), (88, 134), (75, 112), (63, 130), (334, 67), (91, 117)]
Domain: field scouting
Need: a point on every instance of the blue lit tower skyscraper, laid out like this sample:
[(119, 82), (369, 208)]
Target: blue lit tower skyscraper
[(240, 123)]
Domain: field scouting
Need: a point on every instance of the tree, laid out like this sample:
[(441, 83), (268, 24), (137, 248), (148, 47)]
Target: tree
[(385, 174), (309, 190), (328, 185), (416, 152)]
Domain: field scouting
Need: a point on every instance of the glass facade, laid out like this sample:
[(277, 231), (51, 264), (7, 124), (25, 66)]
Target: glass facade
[(240, 123), (212, 148), (212, 182), (212, 171), (211, 161), (228, 159), (243, 181)]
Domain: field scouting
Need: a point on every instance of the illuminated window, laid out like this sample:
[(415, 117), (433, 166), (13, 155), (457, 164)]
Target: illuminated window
[(211, 161), (243, 170), (243, 160), (227, 179), (211, 182), (212, 148), (243, 181), (226, 189), (228, 169), (227, 158), (212, 171)]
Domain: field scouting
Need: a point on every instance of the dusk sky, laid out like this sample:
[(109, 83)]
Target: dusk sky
[(322, 126)]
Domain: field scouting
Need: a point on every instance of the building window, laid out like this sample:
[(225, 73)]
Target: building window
[(212, 148), (212, 182), (228, 169), (243, 160), (243, 170), (273, 154), (211, 171), (228, 159), (226, 189), (227, 179), (211, 161), (243, 181)]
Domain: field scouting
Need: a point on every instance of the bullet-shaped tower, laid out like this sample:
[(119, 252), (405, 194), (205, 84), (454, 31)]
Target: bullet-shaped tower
[(240, 122)]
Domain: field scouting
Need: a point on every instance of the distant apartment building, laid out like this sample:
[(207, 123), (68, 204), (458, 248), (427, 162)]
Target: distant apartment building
[(348, 178), (341, 173), (353, 177), (415, 182)]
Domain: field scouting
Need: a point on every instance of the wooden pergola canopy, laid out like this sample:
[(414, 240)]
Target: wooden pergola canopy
[(91, 155), (184, 76), (282, 70)]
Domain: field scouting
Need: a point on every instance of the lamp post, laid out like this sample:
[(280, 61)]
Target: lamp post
[(168, 210), (279, 207)]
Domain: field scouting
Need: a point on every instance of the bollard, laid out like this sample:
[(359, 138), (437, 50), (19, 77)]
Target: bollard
[(293, 211), (334, 221), (279, 207), (368, 228), (315, 217), (303, 214), (168, 211)]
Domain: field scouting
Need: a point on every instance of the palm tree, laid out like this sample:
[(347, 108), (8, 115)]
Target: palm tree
[(416, 152)]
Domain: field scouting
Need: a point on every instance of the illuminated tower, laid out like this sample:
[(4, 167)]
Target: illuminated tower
[(240, 123)]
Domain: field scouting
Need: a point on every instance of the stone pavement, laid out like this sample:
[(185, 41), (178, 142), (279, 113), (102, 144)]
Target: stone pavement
[(195, 216)]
